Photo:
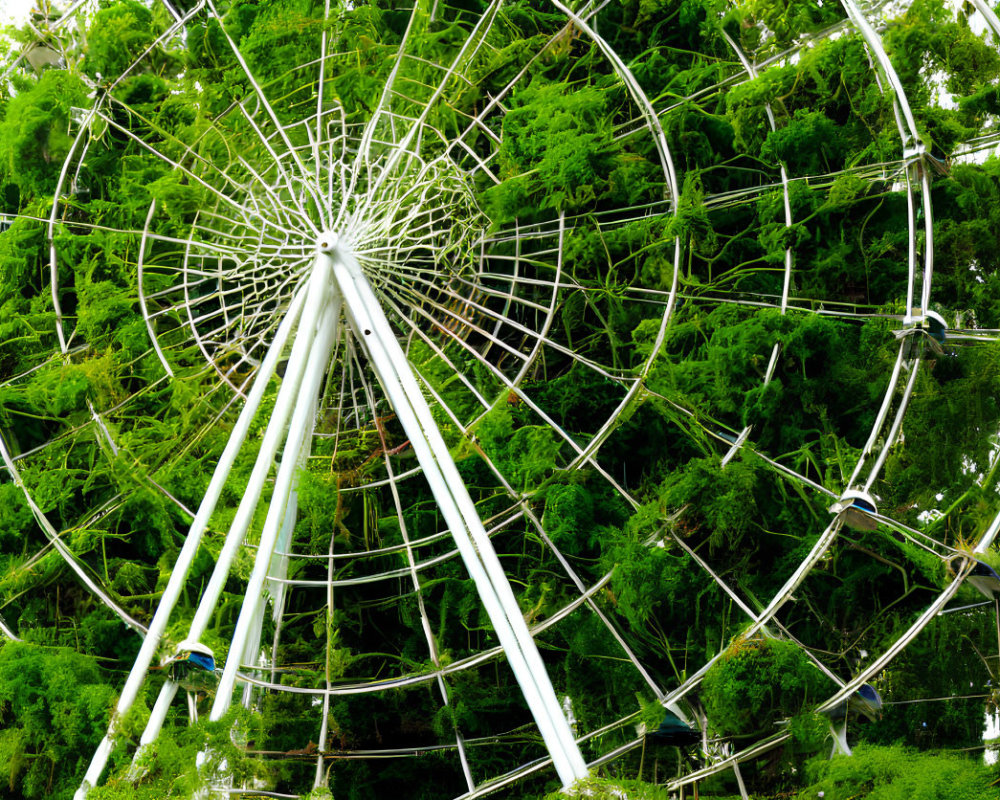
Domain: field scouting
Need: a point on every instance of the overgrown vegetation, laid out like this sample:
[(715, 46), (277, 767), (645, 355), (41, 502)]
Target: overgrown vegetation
[(672, 478), (886, 773)]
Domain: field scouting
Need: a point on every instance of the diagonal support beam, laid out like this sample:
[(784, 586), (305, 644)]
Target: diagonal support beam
[(337, 278), (284, 485), (371, 327), (178, 577), (293, 409)]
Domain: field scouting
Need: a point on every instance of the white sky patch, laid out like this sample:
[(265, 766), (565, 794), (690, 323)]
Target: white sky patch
[(927, 517), (974, 268), (975, 156), (976, 22), (940, 96), (992, 731), (978, 25), (15, 12)]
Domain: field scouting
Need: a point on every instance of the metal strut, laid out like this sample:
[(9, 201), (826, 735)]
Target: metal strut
[(178, 576), (371, 327)]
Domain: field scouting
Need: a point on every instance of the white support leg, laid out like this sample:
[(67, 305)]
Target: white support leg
[(287, 398), (278, 568), (335, 270), (190, 549), (319, 356), (167, 694), (394, 373)]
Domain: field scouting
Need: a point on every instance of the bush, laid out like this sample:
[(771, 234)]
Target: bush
[(54, 708), (897, 773), (755, 682), (602, 789)]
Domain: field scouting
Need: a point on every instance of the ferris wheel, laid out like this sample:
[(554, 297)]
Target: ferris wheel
[(379, 336)]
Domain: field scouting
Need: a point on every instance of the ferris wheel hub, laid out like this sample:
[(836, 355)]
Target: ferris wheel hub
[(327, 242)]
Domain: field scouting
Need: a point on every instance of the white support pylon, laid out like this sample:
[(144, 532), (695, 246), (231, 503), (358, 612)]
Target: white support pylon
[(189, 550), (301, 422), (289, 397), (371, 327)]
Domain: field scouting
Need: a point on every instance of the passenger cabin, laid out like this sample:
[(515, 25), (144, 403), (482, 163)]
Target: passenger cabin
[(985, 579), (192, 667), (41, 53), (856, 507), (935, 326)]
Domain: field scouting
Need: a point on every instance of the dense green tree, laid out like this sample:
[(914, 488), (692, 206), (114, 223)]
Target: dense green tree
[(54, 704)]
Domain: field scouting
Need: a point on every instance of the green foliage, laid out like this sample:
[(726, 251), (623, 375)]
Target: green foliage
[(810, 143), (146, 517), (557, 152), (809, 732), (949, 46), (177, 196), (119, 33), (756, 682), (573, 143), (525, 453), (106, 314), (897, 773), (649, 581), (570, 516), (164, 770), (720, 501), (16, 519), (35, 134), (54, 707), (611, 789), (790, 19), (936, 665)]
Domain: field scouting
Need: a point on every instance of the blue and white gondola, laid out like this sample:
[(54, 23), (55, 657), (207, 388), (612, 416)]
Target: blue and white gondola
[(856, 507)]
